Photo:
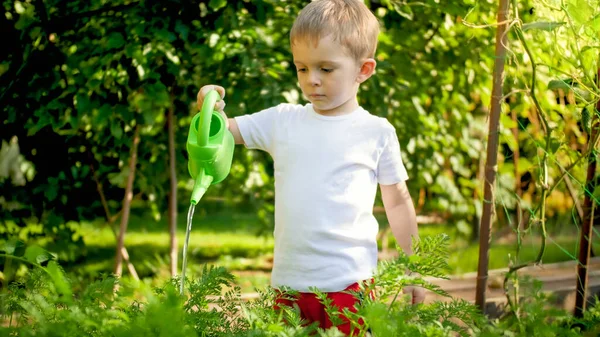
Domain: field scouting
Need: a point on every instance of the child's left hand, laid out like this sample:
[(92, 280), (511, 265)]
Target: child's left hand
[(417, 294)]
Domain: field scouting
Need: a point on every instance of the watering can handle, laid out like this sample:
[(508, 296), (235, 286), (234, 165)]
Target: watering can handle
[(211, 98)]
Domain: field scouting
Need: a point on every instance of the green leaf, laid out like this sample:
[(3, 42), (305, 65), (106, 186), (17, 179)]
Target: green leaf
[(523, 165), (418, 106), (586, 48), (582, 94), (547, 26), (104, 113), (116, 130), (507, 122), (586, 119), (415, 259), (14, 247), (115, 41), (59, 279), (588, 61), (215, 5), (594, 24), (560, 84), (119, 179), (273, 73), (172, 57), (596, 193), (164, 35), (37, 254), (83, 103), (404, 11), (555, 144), (27, 15), (182, 30), (149, 116), (51, 190), (580, 11)]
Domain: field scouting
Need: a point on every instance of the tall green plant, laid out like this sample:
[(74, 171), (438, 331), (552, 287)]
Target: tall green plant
[(550, 50), (579, 32)]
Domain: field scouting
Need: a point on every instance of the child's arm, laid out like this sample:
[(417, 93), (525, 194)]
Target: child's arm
[(402, 217), (401, 214), (219, 106), (233, 128)]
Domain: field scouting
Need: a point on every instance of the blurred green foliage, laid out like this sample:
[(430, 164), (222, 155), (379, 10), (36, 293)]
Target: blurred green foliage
[(77, 77)]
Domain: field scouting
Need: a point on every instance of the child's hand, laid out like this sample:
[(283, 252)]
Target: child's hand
[(417, 294), (220, 105)]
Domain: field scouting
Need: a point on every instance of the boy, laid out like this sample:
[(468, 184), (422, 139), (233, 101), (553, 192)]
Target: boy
[(328, 157)]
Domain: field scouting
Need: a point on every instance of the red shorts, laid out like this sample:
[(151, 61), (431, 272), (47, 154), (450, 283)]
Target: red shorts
[(312, 310)]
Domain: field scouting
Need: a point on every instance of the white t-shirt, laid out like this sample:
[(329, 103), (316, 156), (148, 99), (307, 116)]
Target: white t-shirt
[(326, 174)]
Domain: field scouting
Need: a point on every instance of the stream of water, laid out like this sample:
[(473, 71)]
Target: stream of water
[(185, 245)]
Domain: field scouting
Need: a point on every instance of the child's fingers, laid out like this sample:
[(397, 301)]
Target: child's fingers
[(418, 295), (220, 105), (220, 90), (225, 117), (205, 89)]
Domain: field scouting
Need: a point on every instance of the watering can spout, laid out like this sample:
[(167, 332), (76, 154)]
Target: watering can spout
[(201, 184), (210, 147)]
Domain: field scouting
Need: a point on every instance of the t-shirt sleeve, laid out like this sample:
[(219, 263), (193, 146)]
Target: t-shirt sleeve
[(390, 168), (258, 129)]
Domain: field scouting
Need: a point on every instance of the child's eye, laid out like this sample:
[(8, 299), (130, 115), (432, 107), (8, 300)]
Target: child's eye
[(326, 70), (301, 70)]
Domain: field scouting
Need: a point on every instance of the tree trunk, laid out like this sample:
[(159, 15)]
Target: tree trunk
[(173, 194), (492, 156), (585, 237), (127, 202), (111, 219)]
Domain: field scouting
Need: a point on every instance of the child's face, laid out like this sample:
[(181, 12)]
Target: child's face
[(328, 76)]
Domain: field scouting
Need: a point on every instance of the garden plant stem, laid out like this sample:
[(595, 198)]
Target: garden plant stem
[(543, 174)]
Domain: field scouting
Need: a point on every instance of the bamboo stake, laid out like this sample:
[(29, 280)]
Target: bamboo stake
[(492, 155)]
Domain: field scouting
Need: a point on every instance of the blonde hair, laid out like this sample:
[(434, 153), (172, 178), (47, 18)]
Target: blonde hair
[(349, 22)]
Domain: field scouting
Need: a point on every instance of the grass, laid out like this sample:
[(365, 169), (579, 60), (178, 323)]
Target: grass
[(213, 237)]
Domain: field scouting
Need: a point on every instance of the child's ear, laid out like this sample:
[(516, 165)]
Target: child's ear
[(367, 69)]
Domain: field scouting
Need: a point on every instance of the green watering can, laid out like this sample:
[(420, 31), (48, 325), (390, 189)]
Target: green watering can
[(210, 147), (210, 151)]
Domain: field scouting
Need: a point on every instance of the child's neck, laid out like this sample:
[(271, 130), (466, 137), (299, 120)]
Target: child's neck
[(343, 109)]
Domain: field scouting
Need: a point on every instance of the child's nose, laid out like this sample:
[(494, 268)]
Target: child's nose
[(313, 78)]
